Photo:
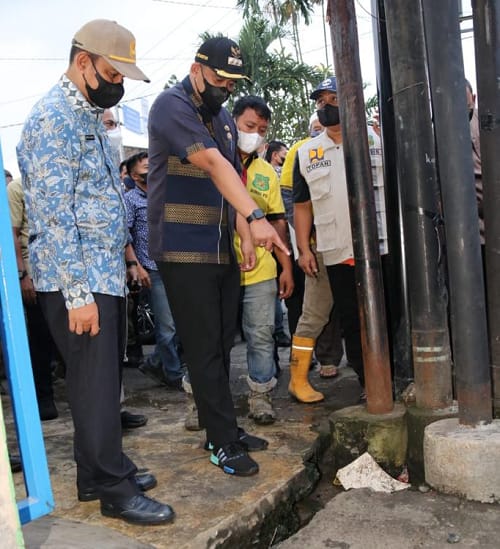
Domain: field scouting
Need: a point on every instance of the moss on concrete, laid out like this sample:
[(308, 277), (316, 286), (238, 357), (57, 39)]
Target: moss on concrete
[(354, 432)]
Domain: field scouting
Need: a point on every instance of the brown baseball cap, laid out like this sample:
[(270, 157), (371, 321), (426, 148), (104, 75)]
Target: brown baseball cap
[(113, 42)]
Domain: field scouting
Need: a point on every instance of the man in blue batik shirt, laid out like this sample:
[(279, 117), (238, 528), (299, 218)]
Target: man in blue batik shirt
[(77, 238)]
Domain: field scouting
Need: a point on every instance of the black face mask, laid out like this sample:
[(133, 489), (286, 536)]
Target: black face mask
[(214, 96), (329, 115), (106, 94), (144, 178)]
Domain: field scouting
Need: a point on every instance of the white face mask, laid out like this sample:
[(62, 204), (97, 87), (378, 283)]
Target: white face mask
[(249, 142), (115, 139)]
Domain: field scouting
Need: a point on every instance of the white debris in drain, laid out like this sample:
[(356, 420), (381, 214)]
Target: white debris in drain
[(364, 472)]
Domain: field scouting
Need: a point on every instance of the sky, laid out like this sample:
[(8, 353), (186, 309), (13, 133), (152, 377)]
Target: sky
[(36, 39)]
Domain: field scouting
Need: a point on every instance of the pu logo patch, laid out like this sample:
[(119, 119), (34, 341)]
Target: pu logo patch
[(317, 159), (261, 183), (315, 155)]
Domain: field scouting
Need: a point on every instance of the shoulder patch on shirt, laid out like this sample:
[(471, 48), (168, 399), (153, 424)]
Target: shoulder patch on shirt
[(260, 182)]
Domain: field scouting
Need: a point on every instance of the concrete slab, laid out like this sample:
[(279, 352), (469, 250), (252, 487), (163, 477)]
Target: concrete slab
[(362, 519), (52, 533), (213, 509), (463, 460)]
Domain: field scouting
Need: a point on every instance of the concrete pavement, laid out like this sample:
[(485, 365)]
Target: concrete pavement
[(213, 509), (217, 510), (362, 519)]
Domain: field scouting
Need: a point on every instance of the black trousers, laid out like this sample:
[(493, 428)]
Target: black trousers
[(93, 381), (204, 301), (343, 285), (41, 351), (328, 347)]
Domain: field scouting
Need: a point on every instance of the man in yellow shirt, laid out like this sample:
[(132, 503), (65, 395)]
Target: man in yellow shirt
[(258, 292)]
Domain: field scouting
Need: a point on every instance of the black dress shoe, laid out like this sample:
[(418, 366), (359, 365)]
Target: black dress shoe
[(138, 510), (282, 339), (15, 464), (145, 482), (132, 421), (47, 410)]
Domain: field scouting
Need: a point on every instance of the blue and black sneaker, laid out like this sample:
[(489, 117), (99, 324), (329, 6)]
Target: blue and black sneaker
[(234, 460), (250, 443)]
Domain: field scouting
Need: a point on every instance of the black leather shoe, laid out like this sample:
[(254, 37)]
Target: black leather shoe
[(138, 510), (282, 339), (145, 482), (47, 410), (15, 464), (132, 421)]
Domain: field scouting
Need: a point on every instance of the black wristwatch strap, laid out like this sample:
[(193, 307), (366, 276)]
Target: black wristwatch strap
[(22, 274), (256, 214)]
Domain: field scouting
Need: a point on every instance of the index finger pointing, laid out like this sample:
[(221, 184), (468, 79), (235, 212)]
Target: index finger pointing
[(278, 242)]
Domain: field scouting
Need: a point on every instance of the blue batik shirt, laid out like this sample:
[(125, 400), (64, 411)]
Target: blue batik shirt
[(76, 212), (136, 201)]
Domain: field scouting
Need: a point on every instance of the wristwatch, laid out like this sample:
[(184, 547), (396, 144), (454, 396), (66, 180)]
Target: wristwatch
[(256, 214), (22, 274)]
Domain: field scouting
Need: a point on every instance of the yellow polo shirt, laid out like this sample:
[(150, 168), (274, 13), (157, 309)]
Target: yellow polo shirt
[(286, 179), (263, 186)]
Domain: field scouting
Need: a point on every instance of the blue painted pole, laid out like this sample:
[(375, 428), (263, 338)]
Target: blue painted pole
[(39, 499)]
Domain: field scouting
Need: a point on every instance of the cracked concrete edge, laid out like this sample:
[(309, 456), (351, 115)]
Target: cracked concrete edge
[(252, 516)]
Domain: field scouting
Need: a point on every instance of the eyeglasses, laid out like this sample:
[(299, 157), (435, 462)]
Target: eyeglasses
[(109, 123)]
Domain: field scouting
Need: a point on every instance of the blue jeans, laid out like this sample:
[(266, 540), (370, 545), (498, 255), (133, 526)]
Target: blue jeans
[(258, 302), (165, 349), (278, 324)]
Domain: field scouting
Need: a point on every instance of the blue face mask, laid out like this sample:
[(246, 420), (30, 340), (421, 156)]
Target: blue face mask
[(315, 133)]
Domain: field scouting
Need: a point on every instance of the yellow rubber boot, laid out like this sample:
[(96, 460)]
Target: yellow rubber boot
[(299, 387)]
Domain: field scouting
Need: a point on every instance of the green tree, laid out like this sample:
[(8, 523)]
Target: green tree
[(285, 13)]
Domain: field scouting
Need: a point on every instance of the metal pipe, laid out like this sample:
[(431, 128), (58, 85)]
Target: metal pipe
[(421, 204), (486, 40), (465, 274), (394, 265), (362, 208)]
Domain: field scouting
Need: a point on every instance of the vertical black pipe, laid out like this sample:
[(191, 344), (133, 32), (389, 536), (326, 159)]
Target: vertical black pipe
[(421, 204), (486, 16), (394, 265), (361, 207), (456, 174)]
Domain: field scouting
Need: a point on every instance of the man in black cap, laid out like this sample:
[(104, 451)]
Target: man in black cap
[(193, 181)]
